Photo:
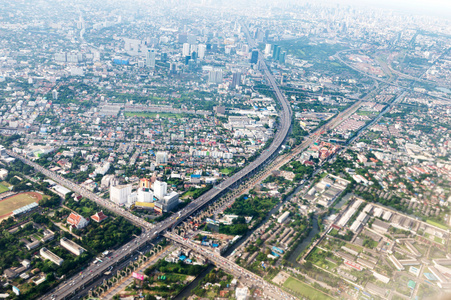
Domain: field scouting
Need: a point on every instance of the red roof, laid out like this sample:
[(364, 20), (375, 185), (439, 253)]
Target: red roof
[(99, 217), (73, 219)]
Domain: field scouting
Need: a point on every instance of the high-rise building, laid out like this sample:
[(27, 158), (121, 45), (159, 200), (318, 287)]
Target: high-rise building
[(236, 79), (160, 189), (150, 58), (173, 68), (191, 64), (187, 58), (119, 194), (282, 56), (167, 201), (145, 195), (193, 48), (276, 52), (161, 158), (186, 49), (201, 49), (55, 95), (215, 76), (254, 56), (268, 49)]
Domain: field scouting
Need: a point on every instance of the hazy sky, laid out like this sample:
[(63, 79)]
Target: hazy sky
[(427, 7)]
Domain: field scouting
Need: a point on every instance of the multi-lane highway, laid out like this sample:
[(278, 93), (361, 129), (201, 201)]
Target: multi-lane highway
[(81, 280), (247, 277)]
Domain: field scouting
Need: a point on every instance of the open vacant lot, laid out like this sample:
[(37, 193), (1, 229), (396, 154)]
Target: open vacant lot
[(305, 290), (11, 203)]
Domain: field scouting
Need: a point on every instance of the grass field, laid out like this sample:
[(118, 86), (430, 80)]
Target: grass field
[(9, 204), (436, 224), (226, 171), (154, 114), (305, 290), (3, 187), (365, 113)]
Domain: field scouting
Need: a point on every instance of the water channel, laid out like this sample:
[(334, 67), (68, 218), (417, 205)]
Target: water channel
[(301, 246), (187, 291)]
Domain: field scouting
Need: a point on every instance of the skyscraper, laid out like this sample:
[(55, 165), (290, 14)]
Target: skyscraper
[(201, 49), (150, 58), (282, 56), (254, 56), (276, 52), (186, 49), (268, 49), (236, 79)]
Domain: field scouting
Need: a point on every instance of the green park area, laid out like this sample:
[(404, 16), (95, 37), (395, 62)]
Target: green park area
[(226, 171), (437, 224), (305, 290)]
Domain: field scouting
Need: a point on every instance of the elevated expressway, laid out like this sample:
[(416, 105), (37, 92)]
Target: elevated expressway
[(150, 231)]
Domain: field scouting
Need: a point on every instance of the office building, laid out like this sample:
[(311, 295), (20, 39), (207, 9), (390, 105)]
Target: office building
[(276, 52), (201, 49), (268, 49), (119, 193), (236, 79), (282, 57), (186, 49), (173, 68), (254, 56), (150, 58), (193, 48)]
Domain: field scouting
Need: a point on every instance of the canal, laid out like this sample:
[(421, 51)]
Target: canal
[(188, 289)]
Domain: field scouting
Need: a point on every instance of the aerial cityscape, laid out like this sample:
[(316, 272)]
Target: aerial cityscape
[(210, 149)]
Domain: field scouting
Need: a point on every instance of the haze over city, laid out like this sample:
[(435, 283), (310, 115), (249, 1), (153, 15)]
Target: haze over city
[(210, 149)]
